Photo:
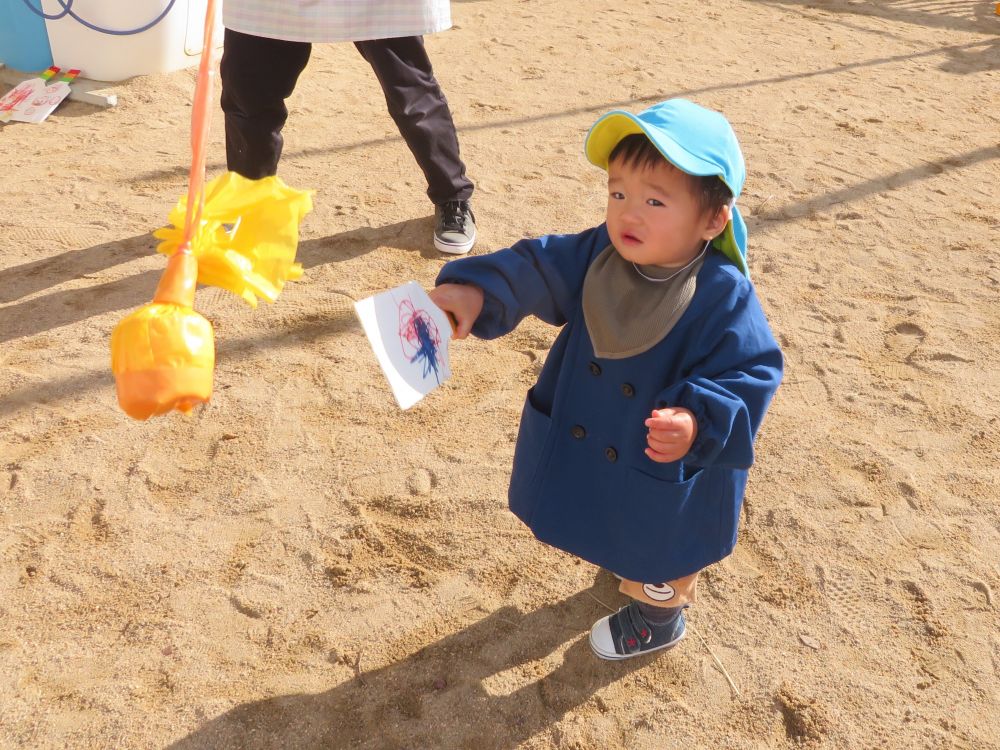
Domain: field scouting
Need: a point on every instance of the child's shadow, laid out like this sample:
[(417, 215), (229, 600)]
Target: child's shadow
[(483, 687)]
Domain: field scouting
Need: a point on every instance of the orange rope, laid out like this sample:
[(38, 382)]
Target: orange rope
[(180, 277), (200, 121)]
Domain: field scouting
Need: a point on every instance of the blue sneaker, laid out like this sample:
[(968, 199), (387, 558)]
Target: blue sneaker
[(626, 634)]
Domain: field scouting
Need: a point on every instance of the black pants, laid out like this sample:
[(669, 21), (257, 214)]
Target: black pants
[(258, 74)]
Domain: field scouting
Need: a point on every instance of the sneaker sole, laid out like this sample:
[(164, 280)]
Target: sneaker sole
[(620, 657), (454, 249)]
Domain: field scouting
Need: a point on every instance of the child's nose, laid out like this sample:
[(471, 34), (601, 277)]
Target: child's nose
[(630, 215)]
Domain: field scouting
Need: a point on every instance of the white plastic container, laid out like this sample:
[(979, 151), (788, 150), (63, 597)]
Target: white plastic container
[(173, 43)]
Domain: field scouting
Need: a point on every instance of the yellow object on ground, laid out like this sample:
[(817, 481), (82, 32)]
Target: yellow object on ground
[(247, 237)]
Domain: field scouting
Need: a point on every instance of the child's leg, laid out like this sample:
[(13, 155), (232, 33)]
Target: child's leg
[(677, 593), (652, 621)]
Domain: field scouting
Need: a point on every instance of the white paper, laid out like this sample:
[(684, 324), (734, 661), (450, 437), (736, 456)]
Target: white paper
[(41, 104), (24, 91), (409, 335)]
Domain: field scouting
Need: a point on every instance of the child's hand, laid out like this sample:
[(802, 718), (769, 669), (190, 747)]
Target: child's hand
[(463, 301), (671, 433)]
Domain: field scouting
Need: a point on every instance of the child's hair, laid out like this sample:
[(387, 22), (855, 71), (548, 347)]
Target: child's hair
[(637, 150)]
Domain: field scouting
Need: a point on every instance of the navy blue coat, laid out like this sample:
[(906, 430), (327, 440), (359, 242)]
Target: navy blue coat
[(581, 480)]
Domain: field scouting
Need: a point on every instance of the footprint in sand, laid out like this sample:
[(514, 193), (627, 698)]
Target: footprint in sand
[(806, 719), (948, 357), (910, 494), (919, 603), (843, 591), (88, 520), (903, 339), (811, 390), (400, 524)]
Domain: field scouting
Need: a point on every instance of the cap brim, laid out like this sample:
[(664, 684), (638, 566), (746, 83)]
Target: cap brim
[(608, 131)]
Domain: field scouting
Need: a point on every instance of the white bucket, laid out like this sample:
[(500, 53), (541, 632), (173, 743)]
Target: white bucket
[(173, 43)]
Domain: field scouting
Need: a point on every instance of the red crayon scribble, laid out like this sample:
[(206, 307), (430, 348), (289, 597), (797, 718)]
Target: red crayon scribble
[(420, 338), (17, 99)]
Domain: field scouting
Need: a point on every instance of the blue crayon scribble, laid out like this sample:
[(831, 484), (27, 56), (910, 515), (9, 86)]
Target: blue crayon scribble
[(426, 349), (420, 338)]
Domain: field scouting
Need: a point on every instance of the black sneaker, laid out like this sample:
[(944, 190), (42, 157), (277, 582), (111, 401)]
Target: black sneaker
[(626, 634), (455, 227)]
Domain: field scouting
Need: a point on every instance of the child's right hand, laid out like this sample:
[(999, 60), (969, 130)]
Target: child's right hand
[(463, 301)]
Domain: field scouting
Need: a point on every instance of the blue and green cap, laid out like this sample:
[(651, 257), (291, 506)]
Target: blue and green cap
[(696, 140)]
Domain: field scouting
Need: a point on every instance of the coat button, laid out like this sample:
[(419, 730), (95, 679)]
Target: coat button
[(595, 369), (628, 389), (578, 432), (611, 454)]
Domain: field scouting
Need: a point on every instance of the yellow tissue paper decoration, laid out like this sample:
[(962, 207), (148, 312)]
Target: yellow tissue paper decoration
[(163, 354), (247, 237)]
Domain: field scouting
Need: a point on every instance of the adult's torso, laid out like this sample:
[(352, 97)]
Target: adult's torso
[(336, 20)]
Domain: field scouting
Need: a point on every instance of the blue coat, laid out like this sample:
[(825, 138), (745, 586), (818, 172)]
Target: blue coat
[(581, 480)]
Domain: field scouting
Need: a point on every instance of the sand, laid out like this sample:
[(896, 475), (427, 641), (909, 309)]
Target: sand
[(299, 564)]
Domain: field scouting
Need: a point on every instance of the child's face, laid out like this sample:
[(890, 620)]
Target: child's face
[(654, 217)]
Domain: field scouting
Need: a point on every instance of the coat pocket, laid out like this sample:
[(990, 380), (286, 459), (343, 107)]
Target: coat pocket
[(529, 458), (674, 472), (668, 528)]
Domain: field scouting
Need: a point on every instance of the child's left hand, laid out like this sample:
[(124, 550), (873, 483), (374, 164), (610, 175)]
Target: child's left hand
[(671, 433)]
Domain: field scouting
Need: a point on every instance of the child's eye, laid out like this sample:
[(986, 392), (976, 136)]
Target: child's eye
[(617, 196), (654, 202)]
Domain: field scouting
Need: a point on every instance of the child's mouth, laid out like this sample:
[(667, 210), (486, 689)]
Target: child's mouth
[(630, 239)]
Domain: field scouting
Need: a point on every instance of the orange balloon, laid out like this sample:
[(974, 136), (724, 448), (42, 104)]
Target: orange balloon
[(163, 354)]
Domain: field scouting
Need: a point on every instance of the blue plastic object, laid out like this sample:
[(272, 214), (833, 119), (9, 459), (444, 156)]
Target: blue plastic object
[(24, 42)]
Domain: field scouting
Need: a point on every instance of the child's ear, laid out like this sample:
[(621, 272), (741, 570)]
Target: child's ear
[(714, 228)]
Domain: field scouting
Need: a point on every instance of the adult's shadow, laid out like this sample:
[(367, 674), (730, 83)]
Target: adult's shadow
[(68, 306), (477, 688), (26, 279), (412, 235), (977, 59)]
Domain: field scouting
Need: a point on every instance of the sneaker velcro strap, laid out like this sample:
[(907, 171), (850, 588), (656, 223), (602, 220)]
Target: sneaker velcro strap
[(629, 630)]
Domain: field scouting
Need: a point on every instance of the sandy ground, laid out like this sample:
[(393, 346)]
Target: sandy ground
[(300, 564)]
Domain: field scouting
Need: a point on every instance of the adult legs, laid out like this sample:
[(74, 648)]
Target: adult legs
[(258, 74), (419, 108)]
